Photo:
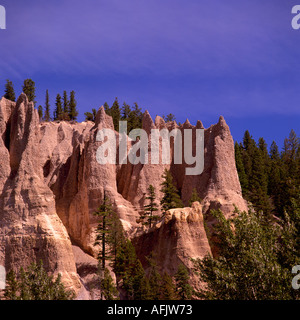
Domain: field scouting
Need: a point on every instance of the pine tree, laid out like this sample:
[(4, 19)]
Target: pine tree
[(167, 289), (194, 197), (116, 114), (155, 280), (104, 213), (150, 208), (107, 108), (66, 110), (40, 111), (12, 286), (91, 116), (73, 113), (169, 118), (47, 117), (140, 284), (36, 284), (58, 113), (135, 118), (29, 90), (107, 287), (125, 111), (183, 288), (9, 91), (240, 168), (171, 198)]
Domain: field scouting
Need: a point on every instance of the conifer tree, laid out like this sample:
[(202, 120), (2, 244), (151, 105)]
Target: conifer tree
[(183, 288), (66, 110), (116, 114), (40, 112), (73, 113), (169, 118), (168, 291), (171, 198), (150, 208), (36, 284), (194, 197), (155, 280), (107, 287), (58, 113), (47, 117), (104, 213), (91, 116), (240, 168), (29, 90), (9, 91)]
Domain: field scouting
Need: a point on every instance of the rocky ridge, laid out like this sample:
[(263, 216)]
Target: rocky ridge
[(51, 183)]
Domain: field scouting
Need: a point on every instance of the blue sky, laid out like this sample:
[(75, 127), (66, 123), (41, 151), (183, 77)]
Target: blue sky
[(196, 59)]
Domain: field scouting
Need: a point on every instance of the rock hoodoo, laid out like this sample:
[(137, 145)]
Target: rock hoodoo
[(51, 183)]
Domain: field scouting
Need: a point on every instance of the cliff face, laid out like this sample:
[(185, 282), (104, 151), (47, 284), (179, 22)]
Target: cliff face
[(30, 229), (51, 183)]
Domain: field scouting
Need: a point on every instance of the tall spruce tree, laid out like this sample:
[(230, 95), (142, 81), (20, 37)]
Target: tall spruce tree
[(29, 90), (107, 287), (73, 113), (58, 113), (47, 117), (194, 197), (240, 168), (40, 112), (66, 110), (104, 213), (148, 216), (183, 288), (9, 91), (116, 114), (171, 198)]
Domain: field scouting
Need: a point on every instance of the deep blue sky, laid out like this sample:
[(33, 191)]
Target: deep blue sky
[(198, 59)]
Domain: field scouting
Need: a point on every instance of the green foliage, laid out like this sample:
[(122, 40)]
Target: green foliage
[(58, 113), (269, 180), (183, 288), (9, 91), (29, 90), (104, 237), (167, 288), (73, 113), (91, 116), (255, 259), (107, 286), (171, 198), (40, 112), (35, 284), (133, 116), (194, 197), (169, 118), (47, 117), (150, 208)]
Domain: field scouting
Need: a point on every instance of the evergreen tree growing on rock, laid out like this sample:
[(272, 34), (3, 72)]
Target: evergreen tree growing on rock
[(9, 91), (171, 198), (73, 113), (150, 208), (29, 90), (47, 117)]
